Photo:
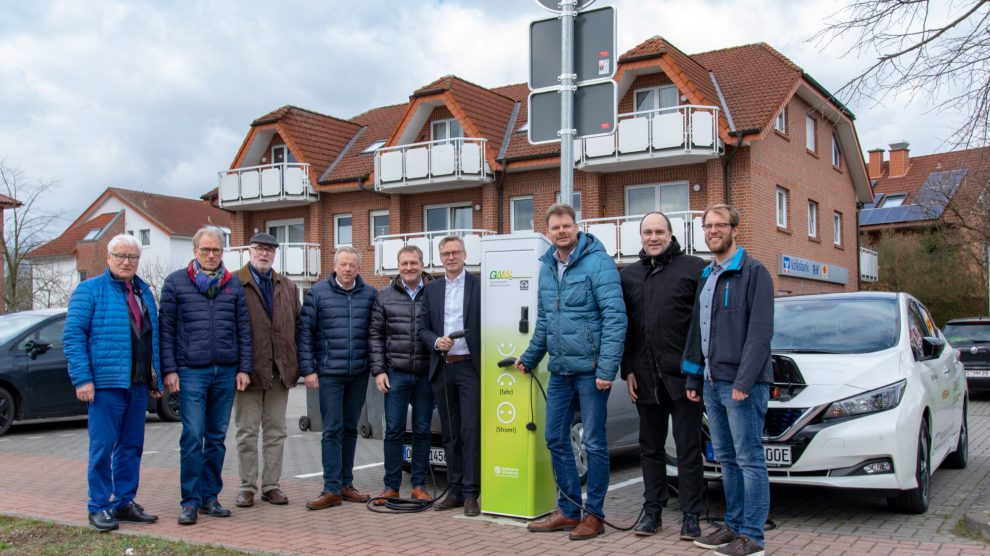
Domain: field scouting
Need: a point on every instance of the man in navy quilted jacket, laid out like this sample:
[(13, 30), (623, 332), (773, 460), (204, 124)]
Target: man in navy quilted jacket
[(332, 338), (111, 344), (206, 354)]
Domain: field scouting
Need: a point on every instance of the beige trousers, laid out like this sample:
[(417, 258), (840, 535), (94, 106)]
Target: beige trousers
[(264, 410)]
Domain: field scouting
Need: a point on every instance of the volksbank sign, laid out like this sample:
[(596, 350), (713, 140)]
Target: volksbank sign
[(789, 265)]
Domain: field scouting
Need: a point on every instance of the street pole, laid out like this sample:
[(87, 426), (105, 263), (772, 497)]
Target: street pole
[(567, 89)]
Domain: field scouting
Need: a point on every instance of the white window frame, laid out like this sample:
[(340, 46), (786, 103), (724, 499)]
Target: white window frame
[(656, 98), (286, 222), (781, 204), (837, 228), (288, 158), (810, 132), (812, 219), (577, 209), (142, 234), (371, 223), (446, 124), (780, 122), (836, 152), (448, 206), (512, 213), (336, 229), (658, 187), (893, 200)]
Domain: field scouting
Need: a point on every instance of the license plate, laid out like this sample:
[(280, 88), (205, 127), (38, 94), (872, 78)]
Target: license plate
[(776, 456), (977, 374), (437, 456)]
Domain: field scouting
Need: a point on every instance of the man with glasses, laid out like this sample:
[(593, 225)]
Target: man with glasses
[(450, 305), (273, 305), (727, 357), (111, 345), (206, 354)]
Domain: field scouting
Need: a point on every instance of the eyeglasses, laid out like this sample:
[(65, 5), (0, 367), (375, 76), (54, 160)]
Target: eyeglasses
[(210, 251), (263, 249), (121, 257), (446, 254), (716, 226)]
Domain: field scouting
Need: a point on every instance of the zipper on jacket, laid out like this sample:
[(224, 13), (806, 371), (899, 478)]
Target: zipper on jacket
[(213, 332), (350, 334), (727, 293)]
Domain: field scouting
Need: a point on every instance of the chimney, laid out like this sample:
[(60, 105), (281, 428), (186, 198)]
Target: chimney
[(899, 160), (876, 163)]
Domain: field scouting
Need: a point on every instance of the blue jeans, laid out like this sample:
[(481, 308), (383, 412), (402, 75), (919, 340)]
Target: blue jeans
[(206, 396), (341, 400), (116, 441), (737, 437), (406, 388), (566, 394)]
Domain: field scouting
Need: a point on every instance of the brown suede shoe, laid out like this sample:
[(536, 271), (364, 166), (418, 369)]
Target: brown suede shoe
[(556, 521), (351, 494), (387, 493), (419, 493), (245, 499), (449, 503), (589, 528), (275, 496), (325, 500)]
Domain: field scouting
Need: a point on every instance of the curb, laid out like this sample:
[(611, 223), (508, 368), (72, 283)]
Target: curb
[(978, 523)]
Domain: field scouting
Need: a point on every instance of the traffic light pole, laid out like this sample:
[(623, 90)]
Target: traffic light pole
[(567, 88)]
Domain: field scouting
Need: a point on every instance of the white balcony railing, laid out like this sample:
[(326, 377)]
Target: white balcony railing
[(387, 249), (266, 186), (299, 261), (666, 137), (432, 165), (620, 234), (869, 265)]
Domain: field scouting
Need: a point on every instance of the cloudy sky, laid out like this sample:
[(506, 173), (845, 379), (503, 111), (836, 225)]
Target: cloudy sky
[(158, 96)]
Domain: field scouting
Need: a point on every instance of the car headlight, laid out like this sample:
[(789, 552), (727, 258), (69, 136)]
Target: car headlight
[(873, 401)]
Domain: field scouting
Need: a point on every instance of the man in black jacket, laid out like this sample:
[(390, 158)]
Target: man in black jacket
[(659, 296), (400, 363)]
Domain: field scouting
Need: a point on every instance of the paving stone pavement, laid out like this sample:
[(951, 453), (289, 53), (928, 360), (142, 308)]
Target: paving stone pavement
[(43, 468)]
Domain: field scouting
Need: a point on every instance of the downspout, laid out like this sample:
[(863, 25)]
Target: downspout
[(501, 159), (361, 186)]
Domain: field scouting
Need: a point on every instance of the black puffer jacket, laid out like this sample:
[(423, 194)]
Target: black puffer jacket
[(394, 337), (659, 293)]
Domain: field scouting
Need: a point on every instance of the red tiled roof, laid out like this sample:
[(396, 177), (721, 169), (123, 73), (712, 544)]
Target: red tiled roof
[(486, 109), (976, 161), (8, 202), (65, 244), (314, 138), (519, 145), (694, 74), (377, 125), (175, 215)]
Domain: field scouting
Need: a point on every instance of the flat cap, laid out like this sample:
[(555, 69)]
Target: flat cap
[(264, 239)]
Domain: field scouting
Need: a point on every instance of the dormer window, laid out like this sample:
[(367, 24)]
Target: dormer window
[(655, 98), (445, 129), (893, 200), (281, 154)]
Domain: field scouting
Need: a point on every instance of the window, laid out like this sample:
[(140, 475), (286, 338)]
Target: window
[(780, 122), (442, 218), (575, 202), (82, 275), (343, 229), (655, 98), (893, 200), (287, 231), (92, 234), (812, 219), (374, 146), (781, 207), (145, 237), (445, 129), (521, 210), (837, 228), (379, 224), (524, 128), (671, 197), (836, 153), (809, 130), (281, 154)]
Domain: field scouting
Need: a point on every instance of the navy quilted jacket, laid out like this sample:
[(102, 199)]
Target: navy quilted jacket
[(196, 331), (332, 336)]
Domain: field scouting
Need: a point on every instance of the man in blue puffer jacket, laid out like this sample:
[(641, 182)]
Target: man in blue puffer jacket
[(111, 344), (581, 323), (206, 349), (332, 338)]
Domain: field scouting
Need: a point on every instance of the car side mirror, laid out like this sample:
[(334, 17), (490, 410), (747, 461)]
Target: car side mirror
[(932, 347), (34, 348)]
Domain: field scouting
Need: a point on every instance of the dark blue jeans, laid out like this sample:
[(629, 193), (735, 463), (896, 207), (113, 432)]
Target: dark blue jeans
[(206, 396), (737, 437), (341, 400), (565, 395), (405, 389), (116, 441)]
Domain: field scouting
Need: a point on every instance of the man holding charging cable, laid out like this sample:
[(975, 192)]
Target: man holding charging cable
[(581, 323)]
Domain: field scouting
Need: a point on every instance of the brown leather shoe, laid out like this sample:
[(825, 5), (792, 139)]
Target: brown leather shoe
[(449, 503), (387, 493), (471, 507), (556, 521), (589, 528), (419, 493), (275, 496), (351, 494), (245, 499), (325, 500)]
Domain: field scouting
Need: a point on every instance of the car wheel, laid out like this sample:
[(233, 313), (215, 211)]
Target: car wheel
[(168, 407), (959, 458), (915, 501), (365, 430), (7, 407), (577, 446), (304, 423)]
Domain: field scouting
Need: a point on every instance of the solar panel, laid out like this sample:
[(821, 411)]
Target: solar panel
[(930, 201)]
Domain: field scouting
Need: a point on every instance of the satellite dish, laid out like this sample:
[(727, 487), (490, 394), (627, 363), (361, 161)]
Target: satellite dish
[(554, 5)]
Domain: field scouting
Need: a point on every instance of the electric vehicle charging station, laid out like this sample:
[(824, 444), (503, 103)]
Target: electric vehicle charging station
[(515, 464)]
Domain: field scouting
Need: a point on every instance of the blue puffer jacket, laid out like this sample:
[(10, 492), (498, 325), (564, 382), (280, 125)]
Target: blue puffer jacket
[(98, 333), (333, 329), (197, 331), (581, 322)]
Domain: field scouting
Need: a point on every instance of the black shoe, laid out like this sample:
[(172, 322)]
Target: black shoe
[(690, 529), (134, 513), (214, 509), (188, 515), (647, 526), (471, 507), (103, 521)]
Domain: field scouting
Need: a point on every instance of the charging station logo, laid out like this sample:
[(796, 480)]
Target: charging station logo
[(505, 380), (506, 413), (505, 349), (500, 275)]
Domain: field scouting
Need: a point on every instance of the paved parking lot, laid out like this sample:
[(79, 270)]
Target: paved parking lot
[(44, 475)]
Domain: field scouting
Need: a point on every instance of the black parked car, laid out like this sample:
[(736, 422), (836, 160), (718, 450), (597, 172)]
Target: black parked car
[(34, 380), (971, 336)]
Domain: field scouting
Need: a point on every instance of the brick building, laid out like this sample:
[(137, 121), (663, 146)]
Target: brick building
[(742, 125)]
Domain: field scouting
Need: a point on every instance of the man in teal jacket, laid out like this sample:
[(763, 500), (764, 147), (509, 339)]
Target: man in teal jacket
[(581, 323)]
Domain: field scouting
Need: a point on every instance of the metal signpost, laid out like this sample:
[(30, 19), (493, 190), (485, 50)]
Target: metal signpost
[(571, 68)]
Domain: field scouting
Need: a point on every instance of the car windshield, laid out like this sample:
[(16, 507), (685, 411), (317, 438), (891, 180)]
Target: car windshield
[(834, 325), (13, 324), (966, 333)]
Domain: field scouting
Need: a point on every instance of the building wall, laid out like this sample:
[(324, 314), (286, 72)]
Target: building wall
[(52, 281)]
